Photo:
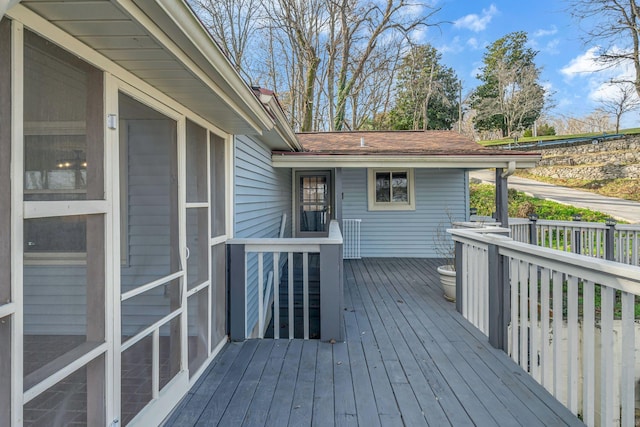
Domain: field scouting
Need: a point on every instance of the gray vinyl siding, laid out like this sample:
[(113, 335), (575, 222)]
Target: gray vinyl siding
[(55, 300), (406, 233), (261, 195)]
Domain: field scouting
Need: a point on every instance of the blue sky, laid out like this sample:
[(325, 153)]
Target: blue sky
[(568, 67)]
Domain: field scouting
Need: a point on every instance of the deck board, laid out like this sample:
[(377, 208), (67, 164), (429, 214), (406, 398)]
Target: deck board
[(409, 359)]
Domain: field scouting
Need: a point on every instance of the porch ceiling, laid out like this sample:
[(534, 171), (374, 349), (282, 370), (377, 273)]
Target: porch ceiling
[(163, 44)]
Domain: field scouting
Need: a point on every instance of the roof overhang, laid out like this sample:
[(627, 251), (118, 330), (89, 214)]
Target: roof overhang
[(318, 160), (163, 44)]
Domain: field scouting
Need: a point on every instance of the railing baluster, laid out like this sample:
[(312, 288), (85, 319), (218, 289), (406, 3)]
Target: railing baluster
[(485, 290), (588, 353), (524, 321), (466, 289), (276, 295), (558, 334), (606, 356), (291, 316), (515, 328), (572, 325), (627, 383), (544, 320), (534, 328), (261, 294), (305, 292)]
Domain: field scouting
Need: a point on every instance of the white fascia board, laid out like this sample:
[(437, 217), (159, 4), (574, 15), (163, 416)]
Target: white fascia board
[(283, 127), (378, 161), (178, 12)]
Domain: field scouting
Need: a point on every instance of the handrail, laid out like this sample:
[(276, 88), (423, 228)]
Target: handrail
[(627, 276), (334, 238)]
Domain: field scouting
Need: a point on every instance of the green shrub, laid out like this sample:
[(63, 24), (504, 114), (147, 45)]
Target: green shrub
[(482, 197)]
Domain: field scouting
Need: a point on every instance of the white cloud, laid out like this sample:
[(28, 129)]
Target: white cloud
[(543, 33), (475, 22), (455, 46), (582, 64), (552, 47), (473, 43)]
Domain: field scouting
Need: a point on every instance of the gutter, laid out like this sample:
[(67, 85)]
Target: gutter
[(509, 162)]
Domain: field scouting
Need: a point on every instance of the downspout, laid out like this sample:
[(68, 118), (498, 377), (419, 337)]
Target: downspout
[(511, 168), (502, 193)]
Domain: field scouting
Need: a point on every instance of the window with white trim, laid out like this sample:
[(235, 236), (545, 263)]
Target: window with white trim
[(391, 189)]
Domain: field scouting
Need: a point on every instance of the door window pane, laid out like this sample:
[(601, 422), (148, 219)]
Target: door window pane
[(218, 293), (136, 381), (198, 306), (196, 163), (198, 244), (5, 173), (63, 124), (399, 187), (149, 194), (5, 369), (314, 203), (57, 315), (383, 187), (64, 404), (218, 186)]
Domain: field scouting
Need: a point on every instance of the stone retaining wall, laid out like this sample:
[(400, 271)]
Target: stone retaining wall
[(605, 160), (608, 171)]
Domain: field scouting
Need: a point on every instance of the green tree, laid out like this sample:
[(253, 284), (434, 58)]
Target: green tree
[(426, 92), (510, 97)]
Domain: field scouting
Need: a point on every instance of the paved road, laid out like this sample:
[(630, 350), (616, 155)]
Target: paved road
[(618, 208)]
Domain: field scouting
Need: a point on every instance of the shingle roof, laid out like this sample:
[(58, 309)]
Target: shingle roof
[(433, 142)]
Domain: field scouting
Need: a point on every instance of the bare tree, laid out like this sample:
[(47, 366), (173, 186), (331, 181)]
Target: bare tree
[(303, 21), (233, 24), (361, 28), (615, 29), (322, 57), (624, 101), (598, 121), (518, 95)]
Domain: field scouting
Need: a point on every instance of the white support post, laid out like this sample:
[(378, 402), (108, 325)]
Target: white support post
[(305, 292)]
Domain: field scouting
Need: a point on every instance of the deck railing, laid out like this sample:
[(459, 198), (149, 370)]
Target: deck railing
[(248, 291), (566, 319), (617, 242)]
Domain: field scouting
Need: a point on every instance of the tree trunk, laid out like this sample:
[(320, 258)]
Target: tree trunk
[(307, 121)]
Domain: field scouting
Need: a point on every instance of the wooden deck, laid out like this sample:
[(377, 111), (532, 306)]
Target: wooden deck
[(409, 359)]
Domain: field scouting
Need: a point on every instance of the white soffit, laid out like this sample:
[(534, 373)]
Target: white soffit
[(158, 52)]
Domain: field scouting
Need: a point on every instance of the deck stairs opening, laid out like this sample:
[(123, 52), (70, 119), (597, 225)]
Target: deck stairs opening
[(314, 299)]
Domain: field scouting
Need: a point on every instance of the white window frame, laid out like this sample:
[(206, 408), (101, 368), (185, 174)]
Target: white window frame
[(391, 206)]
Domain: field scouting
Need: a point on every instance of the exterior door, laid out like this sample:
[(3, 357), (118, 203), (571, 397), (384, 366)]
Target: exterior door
[(313, 204)]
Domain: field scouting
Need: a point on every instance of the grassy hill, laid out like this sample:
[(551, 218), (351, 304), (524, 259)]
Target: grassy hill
[(523, 140)]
